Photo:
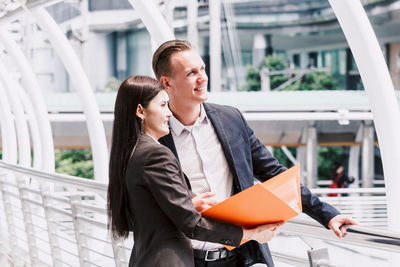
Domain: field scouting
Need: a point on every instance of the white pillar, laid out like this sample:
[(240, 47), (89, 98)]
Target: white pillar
[(215, 45), (259, 49), (312, 154), (169, 14), (379, 87), (31, 85), (301, 156), (84, 8), (265, 80), (192, 30), (153, 20), (367, 155), (354, 156), (74, 67)]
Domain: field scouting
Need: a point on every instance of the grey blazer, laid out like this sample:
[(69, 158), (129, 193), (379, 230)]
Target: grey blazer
[(164, 218)]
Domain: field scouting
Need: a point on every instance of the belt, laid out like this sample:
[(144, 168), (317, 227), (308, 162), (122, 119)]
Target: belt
[(211, 255)]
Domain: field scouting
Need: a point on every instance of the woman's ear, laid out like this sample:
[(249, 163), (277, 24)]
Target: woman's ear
[(140, 112)]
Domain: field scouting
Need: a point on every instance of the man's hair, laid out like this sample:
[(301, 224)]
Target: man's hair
[(162, 56)]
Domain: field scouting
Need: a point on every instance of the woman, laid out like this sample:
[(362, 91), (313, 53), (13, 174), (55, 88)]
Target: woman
[(148, 188)]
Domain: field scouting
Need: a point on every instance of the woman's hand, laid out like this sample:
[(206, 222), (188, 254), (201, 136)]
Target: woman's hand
[(202, 202), (262, 233)]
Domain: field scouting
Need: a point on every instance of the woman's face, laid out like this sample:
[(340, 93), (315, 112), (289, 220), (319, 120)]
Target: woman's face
[(156, 116)]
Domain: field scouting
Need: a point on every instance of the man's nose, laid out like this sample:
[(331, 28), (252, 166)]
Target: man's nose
[(203, 76)]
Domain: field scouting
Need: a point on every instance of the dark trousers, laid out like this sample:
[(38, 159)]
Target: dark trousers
[(234, 259)]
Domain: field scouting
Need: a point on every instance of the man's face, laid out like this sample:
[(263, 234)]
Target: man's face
[(187, 84)]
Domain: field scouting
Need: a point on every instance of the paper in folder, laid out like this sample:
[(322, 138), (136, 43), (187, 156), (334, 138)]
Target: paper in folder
[(276, 200)]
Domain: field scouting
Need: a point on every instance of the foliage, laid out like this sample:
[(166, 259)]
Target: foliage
[(1, 154), (282, 158), (329, 158), (276, 63), (253, 82), (76, 162), (309, 81), (112, 84), (313, 81)]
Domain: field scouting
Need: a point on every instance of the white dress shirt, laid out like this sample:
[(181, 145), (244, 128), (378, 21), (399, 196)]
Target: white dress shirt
[(203, 161)]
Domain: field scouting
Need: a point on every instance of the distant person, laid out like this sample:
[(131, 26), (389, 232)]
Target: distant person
[(340, 180), (219, 152), (148, 189)]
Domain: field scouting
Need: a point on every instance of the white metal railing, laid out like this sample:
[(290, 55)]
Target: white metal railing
[(68, 227), (367, 205), (64, 228)]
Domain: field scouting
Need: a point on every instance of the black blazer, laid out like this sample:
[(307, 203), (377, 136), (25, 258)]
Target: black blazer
[(162, 211), (247, 158)]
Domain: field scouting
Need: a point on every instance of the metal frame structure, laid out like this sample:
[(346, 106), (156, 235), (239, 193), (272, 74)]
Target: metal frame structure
[(17, 195)]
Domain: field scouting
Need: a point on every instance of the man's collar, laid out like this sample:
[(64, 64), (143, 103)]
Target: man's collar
[(177, 127)]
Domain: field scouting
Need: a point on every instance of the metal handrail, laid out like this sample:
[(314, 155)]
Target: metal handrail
[(61, 179), (380, 190), (356, 235)]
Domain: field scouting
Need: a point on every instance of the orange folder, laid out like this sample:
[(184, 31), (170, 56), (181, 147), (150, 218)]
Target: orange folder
[(276, 200)]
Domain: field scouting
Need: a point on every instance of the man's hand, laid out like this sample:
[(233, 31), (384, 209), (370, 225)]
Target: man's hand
[(202, 202), (340, 223), (262, 233)]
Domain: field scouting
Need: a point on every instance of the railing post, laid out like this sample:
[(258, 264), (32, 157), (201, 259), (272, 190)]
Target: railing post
[(12, 233), (29, 229), (78, 229), (318, 257), (4, 244), (119, 253), (51, 228)]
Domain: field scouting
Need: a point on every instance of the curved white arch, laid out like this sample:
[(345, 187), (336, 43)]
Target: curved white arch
[(46, 145), (153, 20), (378, 85), (24, 148), (33, 126), (78, 77), (8, 136)]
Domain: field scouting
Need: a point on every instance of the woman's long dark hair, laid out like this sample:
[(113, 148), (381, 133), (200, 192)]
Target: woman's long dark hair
[(133, 91)]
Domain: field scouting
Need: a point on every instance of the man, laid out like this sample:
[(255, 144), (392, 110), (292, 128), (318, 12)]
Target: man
[(219, 152)]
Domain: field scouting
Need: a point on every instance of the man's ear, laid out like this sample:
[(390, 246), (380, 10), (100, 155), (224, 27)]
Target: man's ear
[(165, 81), (140, 112)]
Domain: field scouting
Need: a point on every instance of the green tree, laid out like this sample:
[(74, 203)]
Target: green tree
[(76, 162), (329, 158), (112, 84), (253, 82), (281, 156), (276, 63), (310, 81)]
